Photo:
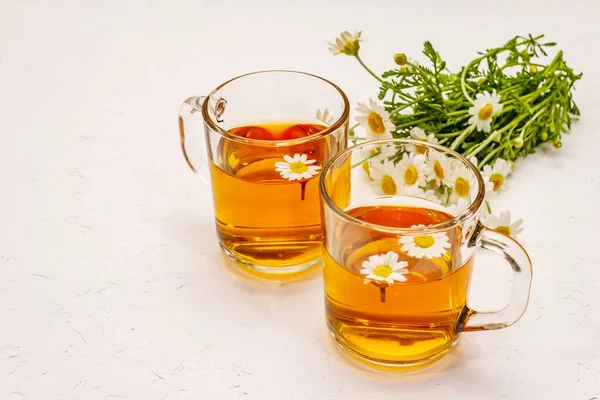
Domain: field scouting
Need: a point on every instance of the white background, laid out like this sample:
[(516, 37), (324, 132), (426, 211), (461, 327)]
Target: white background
[(112, 285)]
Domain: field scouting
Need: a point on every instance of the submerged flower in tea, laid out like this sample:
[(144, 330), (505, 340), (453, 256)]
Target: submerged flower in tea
[(386, 178), (384, 268), (413, 169), (484, 107), (297, 167), (425, 246), (502, 223), (346, 44), (375, 120)]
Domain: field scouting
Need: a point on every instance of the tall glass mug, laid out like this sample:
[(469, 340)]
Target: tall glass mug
[(401, 222), (264, 138)]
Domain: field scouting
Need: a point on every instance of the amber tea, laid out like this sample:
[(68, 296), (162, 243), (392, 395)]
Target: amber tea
[(414, 312), (401, 226), (267, 198)]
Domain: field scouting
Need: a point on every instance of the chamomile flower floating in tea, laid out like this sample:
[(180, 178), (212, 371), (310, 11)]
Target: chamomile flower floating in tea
[(425, 246), (485, 106), (375, 120), (413, 169), (502, 223), (384, 268), (297, 167)]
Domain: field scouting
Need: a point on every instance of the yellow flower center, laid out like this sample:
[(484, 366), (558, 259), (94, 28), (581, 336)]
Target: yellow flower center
[(366, 168), (497, 180), (410, 175), (388, 185), (438, 170), (486, 112), (382, 270), (503, 229), (298, 167), (424, 241), (462, 187), (421, 149), (350, 47), (375, 123)]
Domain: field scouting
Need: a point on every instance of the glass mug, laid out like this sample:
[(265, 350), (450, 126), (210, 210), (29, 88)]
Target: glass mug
[(260, 141), (401, 225)]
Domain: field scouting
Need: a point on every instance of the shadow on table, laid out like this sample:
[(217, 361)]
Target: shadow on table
[(258, 279), (414, 374)]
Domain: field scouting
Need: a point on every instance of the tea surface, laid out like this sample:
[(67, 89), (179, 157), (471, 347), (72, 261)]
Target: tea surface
[(404, 322)]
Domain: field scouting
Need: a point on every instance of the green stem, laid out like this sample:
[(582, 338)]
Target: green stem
[(462, 137), (490, 155), (378, 152), (411, 123), (367, 68)]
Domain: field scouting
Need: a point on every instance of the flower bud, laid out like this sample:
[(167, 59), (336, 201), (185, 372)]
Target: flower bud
[(400, 59), (544, 136), (518, 142), (533, 69), (557, 144)]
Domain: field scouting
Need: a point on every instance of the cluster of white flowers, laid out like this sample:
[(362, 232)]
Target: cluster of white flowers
[(430, 174)]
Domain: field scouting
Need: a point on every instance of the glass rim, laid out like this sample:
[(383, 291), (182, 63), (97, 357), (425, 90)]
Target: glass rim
[(276, 143), (455, 220)]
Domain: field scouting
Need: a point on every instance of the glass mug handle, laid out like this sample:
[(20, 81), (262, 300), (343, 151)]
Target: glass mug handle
[(193, 142), (518, 259)]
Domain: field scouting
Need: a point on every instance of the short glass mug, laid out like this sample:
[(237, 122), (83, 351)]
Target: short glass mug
[(264, 179), (401, 225)]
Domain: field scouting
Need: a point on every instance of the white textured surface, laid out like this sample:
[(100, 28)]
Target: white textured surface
[(111, 282)]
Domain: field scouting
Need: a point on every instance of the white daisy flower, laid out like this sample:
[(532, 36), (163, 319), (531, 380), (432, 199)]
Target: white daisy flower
[(347, 44), (502, 224), (497, 174), (325, 116), (416, 191), (384, 268), (386, 178), (419, 134), (428, 246), (375, 120), (297, 167), (461, 205), (461, 183), (413, 169), (484, 107), (440, 169), (473, 160)]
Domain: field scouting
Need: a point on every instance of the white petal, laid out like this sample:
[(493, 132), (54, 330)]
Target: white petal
[(288, 159)]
